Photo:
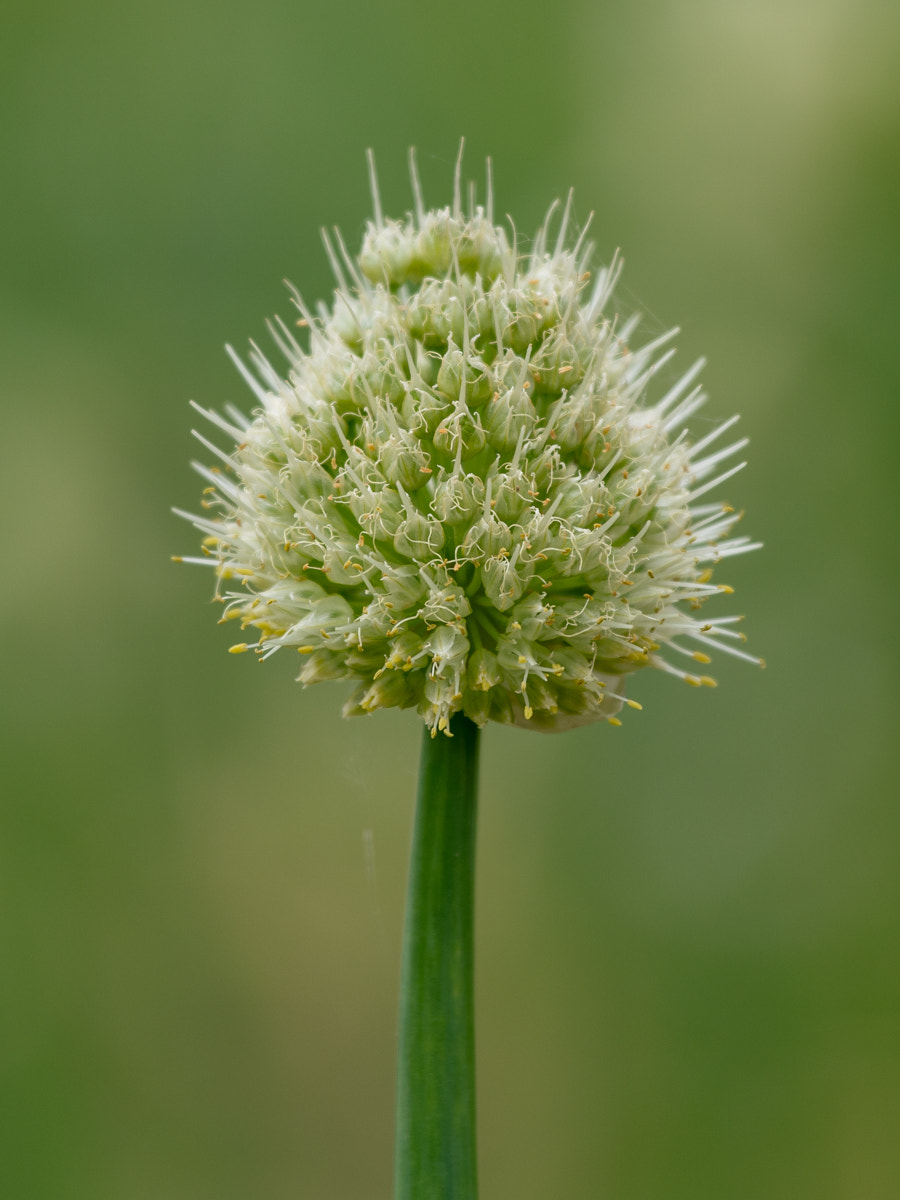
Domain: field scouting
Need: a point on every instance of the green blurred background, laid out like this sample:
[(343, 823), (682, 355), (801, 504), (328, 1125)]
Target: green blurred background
[(689, 928)]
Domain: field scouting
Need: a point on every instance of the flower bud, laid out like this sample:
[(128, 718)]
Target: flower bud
[(445, 604), (460, 435), (487, 537), (483, 670), (404, 461), (322, 665), (387, 253), (503, 581), (458, 369), (391, 690), (424, 410), (508, 416), (419, 537), (457, 498)]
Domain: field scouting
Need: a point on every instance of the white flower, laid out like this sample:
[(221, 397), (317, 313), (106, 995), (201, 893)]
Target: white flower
[(463, 497)]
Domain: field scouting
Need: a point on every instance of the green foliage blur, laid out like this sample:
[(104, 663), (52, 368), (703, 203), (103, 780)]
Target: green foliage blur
[(689, 928)]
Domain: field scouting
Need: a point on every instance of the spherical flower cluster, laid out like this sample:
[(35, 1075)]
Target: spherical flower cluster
[(461, 497)]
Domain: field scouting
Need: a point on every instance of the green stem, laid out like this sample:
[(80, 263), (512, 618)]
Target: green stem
[(435, 1139)]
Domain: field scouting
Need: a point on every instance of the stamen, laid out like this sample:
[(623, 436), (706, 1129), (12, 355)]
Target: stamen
[(708, 641)]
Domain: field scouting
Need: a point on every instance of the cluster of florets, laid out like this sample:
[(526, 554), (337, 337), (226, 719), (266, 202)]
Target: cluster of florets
[(460, 497)]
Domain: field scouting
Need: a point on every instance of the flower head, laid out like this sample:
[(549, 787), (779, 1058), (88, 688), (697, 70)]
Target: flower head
[(463, 497)]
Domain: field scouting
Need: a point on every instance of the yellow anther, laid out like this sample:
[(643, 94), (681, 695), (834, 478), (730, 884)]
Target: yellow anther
[(177, 558), (305, 649), (700, 657), (613, 721), (705, 576), (210, 541), (724, 587), (634, 704), (522, 659), (529, 712), (239, 648), (708, 681)]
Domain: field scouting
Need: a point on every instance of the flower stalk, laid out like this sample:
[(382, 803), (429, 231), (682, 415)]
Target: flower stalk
[(435, 1133), (468, 496)]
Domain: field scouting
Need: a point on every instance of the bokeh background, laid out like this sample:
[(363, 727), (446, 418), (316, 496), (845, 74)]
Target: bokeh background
[(688, 928)]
